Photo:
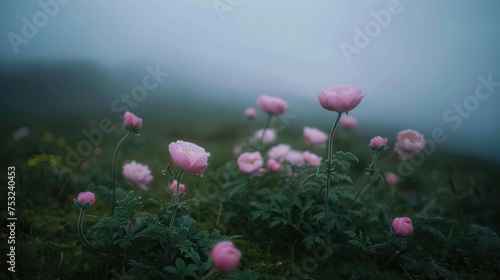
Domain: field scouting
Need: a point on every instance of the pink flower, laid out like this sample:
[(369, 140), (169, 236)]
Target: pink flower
[(341, 98), (348, 122), (20, 133), (269, 135), (272, 105), (132, 121), (138, 174), (250, 162), (402, 226), (409, 142), (85, 197), (250, 113), (314, 136), (311, 159), (273, 165), (378, 143), (294, 157), (130, 225), (225, 257), (189, 157), (279, 152), (391, 178), (173, 187)]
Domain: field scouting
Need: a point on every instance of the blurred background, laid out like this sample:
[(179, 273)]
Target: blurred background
[(421, 64)]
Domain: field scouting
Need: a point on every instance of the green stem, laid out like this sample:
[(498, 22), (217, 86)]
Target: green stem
[(80, 232), (176, 200), (381, 245), (266, 126), (328, 175), (113, 168), (209, 274), (370, 170)]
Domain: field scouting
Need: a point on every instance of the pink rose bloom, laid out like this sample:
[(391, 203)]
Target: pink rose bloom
[(311, 159), (250, 113), (402, 226), (173, 187), (409, 142), (189, 157), (250, 162), (341, 98), (314, 136), (294, 157), (20, 133), (348, 122), (279, 152), (378, 143), (225, 257), (269, 135), (132, 121), (391, 178), (273, 165), (84, 197), (138, 174), (272, 105)]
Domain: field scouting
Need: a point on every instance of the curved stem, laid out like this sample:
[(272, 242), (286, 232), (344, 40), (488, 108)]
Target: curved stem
[(176, 200), (381, 245), (113, 168), (80, 232), (360, 189), (330, 148), (209, 274), (370, 170), (268, 122)]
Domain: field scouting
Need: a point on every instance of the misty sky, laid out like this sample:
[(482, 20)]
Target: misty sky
[(413, 67)]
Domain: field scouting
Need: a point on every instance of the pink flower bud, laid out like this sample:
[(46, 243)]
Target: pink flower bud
[(272, 105), (311, 159), (84, 197), (402, 226), (314, 136), (273, 165), (341, 98), (189, 157), (378, 143), (132, 121), (225, 257), (409, 142), (250, 113), (129, 225), (348, 122), (250, 162), (173, 187), (391, 178), (137, 173)]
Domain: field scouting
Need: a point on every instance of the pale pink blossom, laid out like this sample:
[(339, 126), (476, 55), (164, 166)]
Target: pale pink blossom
[(250, 113), (279, 152), (132, 121), (236, 150), (409, 142), (137, 173), (342, 98), (272, 105), (402, 226), (294, 157), (269, 135), (173, 187), (250, 162), (189, 157), (311, 159), (378, 143), (84, 197), (391, 178), (20, 133), (225, 257), (348, 122), (273, 165), (314, 136)]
